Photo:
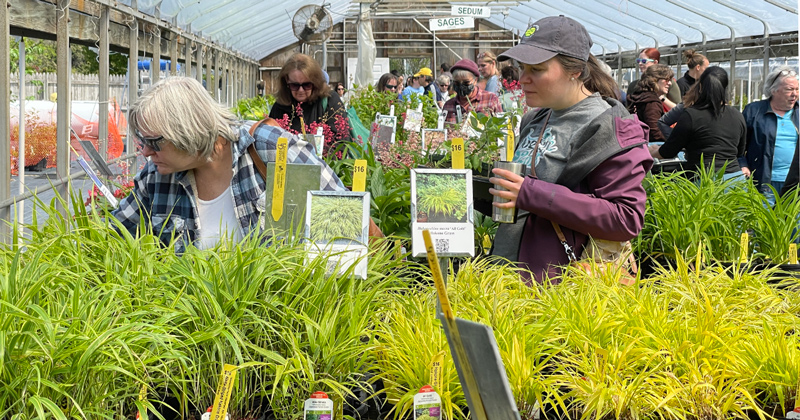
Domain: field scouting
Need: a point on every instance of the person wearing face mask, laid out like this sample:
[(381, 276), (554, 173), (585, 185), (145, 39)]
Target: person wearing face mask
[(303, 86), (772, 138), (648, 57), (469, 96)]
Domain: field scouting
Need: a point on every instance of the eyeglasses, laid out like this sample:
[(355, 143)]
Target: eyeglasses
[(151, 142), (788, 73), (444, 86), (296, 86), (644, 60), (391, 87), (339, 88)]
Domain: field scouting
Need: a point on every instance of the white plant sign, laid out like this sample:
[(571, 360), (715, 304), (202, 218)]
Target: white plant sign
[(441, 202), (337, 225)]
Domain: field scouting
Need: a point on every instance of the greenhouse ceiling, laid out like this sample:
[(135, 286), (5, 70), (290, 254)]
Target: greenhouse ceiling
[(259, 28)]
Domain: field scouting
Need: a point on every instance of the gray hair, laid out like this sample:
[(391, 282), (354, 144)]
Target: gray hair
[(461, 73), (183, 112), (773, 81), (443, 79)]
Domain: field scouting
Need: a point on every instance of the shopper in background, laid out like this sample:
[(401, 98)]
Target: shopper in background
[(387, 83), (426, 80), (772, 125), (648, 57), (304, 95), (697, 64), (487, 66), (646, 100), (200, 185), (711, 131), (469, 97), (444, 82), (588, 153), (414, 86)]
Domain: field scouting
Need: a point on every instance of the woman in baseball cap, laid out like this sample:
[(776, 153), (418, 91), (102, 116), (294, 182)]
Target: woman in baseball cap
[(586, 153)]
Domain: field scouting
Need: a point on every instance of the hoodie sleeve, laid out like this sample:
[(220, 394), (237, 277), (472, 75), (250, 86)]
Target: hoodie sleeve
[(612, 210)]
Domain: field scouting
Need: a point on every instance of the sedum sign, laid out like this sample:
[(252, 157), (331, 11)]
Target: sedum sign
[(453, 22), (474, 11)]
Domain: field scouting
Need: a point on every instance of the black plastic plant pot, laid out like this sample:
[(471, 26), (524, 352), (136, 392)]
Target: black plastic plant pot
[(786, 277), (649, 265)]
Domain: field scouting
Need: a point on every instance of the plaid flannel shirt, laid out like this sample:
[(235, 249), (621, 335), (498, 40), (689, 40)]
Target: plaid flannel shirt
[(167, 203), (484, 103)]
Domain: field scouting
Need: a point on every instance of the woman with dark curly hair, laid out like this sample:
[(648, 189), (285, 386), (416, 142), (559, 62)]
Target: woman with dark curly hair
[(646, 99)]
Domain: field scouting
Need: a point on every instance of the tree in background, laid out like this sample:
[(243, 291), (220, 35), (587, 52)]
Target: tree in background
[(40, 57)]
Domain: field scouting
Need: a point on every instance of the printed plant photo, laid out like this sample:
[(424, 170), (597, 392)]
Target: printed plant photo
[(336, 218), (441, 198)]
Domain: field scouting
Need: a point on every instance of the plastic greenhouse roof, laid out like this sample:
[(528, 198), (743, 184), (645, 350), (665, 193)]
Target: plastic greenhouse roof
[(258, 28)]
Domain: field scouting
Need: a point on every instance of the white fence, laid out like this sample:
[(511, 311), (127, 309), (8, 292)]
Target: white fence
[(84, 87)]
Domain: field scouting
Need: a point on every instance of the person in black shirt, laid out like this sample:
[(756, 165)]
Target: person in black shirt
[(709, 130)]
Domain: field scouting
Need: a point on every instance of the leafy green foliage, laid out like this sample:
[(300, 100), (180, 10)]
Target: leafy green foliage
[(368, 102), (335, 217), (255, 109)]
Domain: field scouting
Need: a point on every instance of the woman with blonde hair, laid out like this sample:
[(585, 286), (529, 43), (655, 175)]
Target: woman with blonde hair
[(487, 66)]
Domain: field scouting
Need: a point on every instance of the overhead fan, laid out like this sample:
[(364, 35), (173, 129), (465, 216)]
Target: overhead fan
[(312, 24)]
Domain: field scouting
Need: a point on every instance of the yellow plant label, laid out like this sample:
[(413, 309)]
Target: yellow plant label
[(510, 143), (793, 260), (224, 389), (744, 244), (360, 175), (436, 272), (699, 259), (458, 153), (303, 126), (279, 182), (437, 365), (142, 397)]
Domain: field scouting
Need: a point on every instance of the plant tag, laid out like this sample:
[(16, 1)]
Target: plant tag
[(360, 175), (699, 259), (279, 182), (510, 143), (142, 397), (437, 364), (224, 389), (793, 259), (318, 407), (95, 179), (794, 414), (743, 245), (303, 126), (436, 273), (391, 111), (459, 114), (427, 404), (413, 120), (458, 153), (319, 141), (441, 119)]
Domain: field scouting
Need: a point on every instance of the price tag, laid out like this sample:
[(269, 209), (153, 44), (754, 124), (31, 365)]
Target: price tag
[(438, 279), (279, 182), (142, 397), (360, 175), (510, 143), (793, 260), (458, 153), (743, 245), (224, 389), (437, 365)]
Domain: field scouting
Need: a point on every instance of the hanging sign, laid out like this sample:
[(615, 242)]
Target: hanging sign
[(474, 11), (453, 22)]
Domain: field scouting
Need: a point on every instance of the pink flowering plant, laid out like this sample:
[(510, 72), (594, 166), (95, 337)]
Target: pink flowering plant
[(97, 203), (332, 138)]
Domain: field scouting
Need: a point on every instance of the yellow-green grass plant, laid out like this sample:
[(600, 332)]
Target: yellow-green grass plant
[(775, 227), (335, 217), (442, 194)]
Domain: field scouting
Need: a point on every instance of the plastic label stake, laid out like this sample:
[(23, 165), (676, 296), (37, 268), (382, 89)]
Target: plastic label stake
[(458, 153), (437, 364), (142, 397), (510, 143), (224, 389), (360, 175), (743, 245), (279, 183), (793, 258)]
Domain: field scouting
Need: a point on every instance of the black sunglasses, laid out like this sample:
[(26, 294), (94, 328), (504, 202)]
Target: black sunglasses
[(151, 142), (307, 86), (392, 87)]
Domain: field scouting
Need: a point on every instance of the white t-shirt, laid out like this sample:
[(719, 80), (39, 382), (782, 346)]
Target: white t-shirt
[(217, 220)]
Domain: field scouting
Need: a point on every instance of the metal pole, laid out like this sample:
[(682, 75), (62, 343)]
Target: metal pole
[(103, 75), (433, 37), (209, 74), (199, 60), (749, 81), (64, 114), (5, 119), (173, 55), (155, 69), (133, 78), (187, 65), (21, 145)]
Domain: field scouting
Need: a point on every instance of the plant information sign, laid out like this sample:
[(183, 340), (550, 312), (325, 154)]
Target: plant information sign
[(453, 22), (441, 202), (337, 225)]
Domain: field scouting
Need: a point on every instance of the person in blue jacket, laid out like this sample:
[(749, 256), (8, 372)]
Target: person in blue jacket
[(772, 132)]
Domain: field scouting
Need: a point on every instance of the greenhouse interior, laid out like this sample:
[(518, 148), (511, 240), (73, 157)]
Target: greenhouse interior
[(400, 209)]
